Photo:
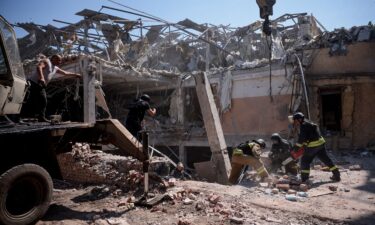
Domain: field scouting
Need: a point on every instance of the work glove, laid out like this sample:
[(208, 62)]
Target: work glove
[(295, 148)]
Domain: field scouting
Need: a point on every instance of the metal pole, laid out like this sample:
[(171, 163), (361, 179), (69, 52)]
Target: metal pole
[(146, 162), (304, 86)]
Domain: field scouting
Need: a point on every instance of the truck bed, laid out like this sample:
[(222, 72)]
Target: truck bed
[(39, 126)]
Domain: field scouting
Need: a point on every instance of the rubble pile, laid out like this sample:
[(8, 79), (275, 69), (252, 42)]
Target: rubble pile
[(188, 47), (339, 38), (288, 186), (204, 204), (87, 166)]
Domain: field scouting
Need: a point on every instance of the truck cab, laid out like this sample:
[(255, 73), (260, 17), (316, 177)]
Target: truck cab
[(28, 150), (13, 85)]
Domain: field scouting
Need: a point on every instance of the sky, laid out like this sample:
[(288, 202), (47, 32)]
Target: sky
[(236, 13)]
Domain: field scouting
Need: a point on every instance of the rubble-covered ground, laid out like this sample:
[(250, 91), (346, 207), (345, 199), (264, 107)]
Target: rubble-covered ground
[(352, 201)]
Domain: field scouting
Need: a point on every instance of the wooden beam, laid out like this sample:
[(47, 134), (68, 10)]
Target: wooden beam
[(119, 136)]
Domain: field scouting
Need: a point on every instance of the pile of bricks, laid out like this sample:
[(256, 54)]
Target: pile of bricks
[(86, 166)]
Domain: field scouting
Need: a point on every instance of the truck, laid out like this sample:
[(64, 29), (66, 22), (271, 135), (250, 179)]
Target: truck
[(28, 161)]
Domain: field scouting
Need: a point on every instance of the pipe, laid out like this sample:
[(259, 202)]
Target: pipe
[(304, 86), (146, 162)]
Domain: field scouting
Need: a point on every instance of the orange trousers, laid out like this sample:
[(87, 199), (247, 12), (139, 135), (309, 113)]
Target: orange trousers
[(239, 161)]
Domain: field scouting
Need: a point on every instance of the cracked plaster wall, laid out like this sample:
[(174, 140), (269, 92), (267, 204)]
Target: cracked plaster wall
[(354, 74), (252, 111)]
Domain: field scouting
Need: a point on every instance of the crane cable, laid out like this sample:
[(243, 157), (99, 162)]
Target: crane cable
[(269, 44)]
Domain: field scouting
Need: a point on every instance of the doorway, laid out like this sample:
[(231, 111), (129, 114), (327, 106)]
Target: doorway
[(331, 109)]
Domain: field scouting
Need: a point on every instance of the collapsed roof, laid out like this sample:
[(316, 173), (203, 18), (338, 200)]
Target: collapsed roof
[(184, 46)]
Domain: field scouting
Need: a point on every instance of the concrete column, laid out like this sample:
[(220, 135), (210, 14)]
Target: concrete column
[(220, 160), (180, 105), (182, 153), (88, 92)]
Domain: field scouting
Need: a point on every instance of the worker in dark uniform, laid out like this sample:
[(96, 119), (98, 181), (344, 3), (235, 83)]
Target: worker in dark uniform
[(247, 153), (280, 152), (136, 114), (314, 145), (179, 171)]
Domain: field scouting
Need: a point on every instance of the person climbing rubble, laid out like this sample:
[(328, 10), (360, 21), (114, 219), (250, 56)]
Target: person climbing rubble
[(280, 152), (314, 145), (136, 115), (37, 102), (248, 153)]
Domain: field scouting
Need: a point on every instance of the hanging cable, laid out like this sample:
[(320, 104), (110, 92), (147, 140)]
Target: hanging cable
[(269, 44)]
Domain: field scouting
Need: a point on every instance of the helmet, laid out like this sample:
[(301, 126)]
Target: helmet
[(276, 136), (261, 143), (146, 98), (298, 115)]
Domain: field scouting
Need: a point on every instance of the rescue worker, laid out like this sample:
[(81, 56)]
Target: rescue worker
[(39, 79), (314, 145), (280, 151), (179, 171), (247, 153), (136, 114)]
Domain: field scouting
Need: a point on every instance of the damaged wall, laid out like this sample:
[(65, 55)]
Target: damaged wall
[(360, 58), (363, 116), (252, 112), (353, 75)]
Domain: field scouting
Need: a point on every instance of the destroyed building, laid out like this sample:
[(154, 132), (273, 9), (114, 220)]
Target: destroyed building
[(257, 81)]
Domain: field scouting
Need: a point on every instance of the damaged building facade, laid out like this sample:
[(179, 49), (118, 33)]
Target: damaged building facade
[(257, 81)]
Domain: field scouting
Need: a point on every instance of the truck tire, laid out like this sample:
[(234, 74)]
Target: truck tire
[(25, 194)]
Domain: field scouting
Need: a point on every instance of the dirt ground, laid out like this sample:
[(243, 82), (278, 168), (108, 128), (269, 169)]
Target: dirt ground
[(197, 202)]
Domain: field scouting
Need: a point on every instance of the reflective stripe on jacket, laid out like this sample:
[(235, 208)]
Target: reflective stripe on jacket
[(309, 135), (312, 144), (237, 151)]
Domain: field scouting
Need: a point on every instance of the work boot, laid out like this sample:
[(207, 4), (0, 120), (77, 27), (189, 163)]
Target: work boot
[(304, 177), (308, 183), (336, 175)]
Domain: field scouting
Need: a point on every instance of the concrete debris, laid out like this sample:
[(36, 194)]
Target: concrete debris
[(214, 198), (355, 167), (303, 187), (302, 194), (332, 187), (188, 201), (88, 166), (275, 191), (200, 206), (292, 198), (339, 38), (184, 222), (237, 220), (193, 202), (179, 50)]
